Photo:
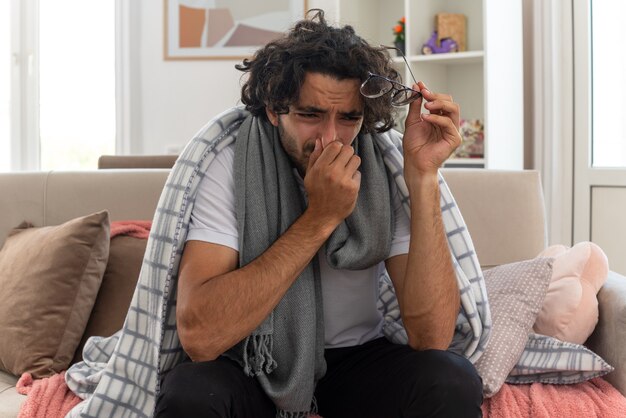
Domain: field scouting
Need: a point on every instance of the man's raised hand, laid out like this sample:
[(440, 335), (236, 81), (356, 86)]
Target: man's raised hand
[(430, 138)]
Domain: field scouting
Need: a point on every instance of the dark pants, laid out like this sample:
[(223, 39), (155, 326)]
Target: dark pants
[(377, 380)]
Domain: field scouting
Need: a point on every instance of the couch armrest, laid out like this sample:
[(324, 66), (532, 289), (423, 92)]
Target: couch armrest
[(10, 400), (609, 335)]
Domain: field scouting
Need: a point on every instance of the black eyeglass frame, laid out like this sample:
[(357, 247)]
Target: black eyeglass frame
[(395, 85)]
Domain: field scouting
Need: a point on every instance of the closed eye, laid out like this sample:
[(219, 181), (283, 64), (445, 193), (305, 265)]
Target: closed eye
[(307, 115)]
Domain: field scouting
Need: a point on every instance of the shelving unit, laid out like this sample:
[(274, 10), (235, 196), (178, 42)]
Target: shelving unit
[(465, 57), (486, 80)]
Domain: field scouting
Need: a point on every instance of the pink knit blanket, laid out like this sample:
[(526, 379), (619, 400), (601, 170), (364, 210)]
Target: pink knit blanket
[(135, 229), (50, 398), (47, 398), (594, 398)]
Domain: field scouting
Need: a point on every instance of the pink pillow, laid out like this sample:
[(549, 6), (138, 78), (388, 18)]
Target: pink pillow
[(570, 308)]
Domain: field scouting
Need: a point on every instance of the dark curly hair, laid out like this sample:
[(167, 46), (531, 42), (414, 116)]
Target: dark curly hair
[(277, 70)]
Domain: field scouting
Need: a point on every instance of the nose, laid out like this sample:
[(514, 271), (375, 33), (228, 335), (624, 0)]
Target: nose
[(329, 133)]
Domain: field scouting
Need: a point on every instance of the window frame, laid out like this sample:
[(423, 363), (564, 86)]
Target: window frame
[(25, 117)]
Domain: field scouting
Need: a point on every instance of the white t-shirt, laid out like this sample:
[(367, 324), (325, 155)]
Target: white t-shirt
[(351, 316)]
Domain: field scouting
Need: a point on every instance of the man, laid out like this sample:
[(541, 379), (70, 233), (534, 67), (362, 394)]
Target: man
[(254, 307)]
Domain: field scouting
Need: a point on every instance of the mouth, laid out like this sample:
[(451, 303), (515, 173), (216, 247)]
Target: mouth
[(308, 149)]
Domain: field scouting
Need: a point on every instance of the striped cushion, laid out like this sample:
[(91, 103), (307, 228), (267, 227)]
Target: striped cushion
[(548, 360)]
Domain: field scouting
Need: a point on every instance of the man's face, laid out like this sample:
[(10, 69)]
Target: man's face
[(327, 109)]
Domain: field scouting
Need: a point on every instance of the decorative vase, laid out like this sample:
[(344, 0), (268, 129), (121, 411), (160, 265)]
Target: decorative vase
[(400, 46)]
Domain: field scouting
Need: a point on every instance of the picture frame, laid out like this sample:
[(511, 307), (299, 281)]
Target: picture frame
[(225, 29)]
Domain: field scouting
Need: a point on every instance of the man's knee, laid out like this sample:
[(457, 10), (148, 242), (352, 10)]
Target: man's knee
[(455, 381), (194, 388)]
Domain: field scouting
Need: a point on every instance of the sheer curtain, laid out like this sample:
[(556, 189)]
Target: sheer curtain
[(5, 86), (549, 31)]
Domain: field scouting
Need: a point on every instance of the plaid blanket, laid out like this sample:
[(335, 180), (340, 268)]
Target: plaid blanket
[(120, 375)]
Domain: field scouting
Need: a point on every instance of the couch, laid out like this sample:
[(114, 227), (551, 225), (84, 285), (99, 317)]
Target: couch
[(504, 212)]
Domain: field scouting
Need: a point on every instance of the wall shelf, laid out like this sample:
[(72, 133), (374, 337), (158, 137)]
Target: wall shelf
[(486, 80), (465, 57)]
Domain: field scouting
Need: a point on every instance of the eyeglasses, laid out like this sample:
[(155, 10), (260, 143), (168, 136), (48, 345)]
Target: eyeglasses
[(377, 85)]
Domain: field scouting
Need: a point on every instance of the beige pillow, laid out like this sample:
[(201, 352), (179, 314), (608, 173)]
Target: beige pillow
[(117, 289), (516, 292), (49, 279)]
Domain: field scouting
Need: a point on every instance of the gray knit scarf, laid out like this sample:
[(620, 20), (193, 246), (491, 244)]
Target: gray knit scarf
[(286, 352)]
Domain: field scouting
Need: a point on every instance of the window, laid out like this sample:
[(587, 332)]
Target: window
[(608, 83), (62, 76), (5, 86), (77, 83), (599, 127)]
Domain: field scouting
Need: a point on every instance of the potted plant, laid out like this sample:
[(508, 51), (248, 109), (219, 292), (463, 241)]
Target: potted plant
[(398, 31)]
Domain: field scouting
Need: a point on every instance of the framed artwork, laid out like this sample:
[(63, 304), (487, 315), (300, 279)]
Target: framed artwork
[(225, 29)]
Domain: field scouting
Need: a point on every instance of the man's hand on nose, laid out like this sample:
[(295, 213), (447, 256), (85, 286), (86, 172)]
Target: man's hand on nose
[(332, 181)]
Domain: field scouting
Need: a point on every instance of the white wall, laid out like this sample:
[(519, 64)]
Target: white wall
[(174, 99)]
